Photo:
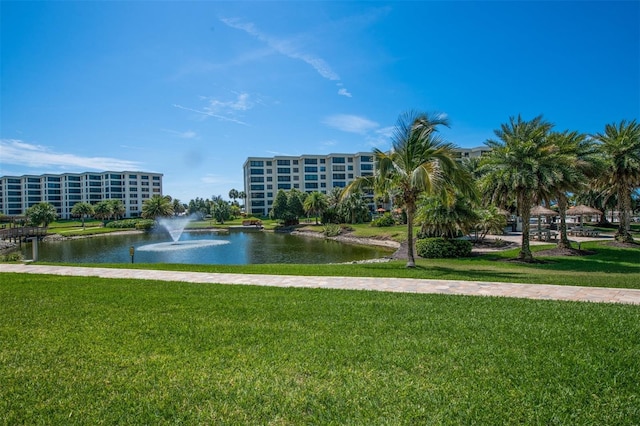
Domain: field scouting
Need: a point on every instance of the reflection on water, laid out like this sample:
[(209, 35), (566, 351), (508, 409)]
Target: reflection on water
[(203, 248)]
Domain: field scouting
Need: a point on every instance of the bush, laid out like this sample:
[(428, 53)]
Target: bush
[(331, 230), (384, 220), (12, 257), (437, 248), (131, 224)]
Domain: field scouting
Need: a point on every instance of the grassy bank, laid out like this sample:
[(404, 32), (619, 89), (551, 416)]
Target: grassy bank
[(610, 266), (88, 351)]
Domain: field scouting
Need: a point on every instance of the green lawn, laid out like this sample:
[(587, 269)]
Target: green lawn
[(98, 351), (610, 267)]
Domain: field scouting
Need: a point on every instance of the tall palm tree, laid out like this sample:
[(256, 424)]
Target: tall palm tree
[(419, 163), (157, 206), (315, 204), (82, 210), (520, 164), (576, 160), (103, 210), (620, 145)]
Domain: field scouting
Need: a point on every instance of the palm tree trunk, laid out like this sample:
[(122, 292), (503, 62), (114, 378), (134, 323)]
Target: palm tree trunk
[(411, 262), (624, 206), (524, 204), (562, 206)]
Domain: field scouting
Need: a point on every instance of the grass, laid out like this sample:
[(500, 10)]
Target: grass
[(89, 351), (611, 266)]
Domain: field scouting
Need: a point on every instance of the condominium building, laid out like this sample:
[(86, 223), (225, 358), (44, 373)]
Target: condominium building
[(264, 176), (18, 193)]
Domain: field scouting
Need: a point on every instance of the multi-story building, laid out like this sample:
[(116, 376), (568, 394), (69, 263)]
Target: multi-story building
[(264, 176), (18, 193)]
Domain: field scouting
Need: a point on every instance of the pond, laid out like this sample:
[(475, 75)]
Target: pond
[(235, 248)]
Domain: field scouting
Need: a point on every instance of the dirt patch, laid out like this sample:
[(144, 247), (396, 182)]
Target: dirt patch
[(624, 245), (565, 252)]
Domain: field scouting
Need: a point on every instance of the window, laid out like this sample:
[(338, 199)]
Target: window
[(366, 159), (310, 177), (338, 168), (257, 163), (284, 170), (284, 178), (284, 186), (337, 160), (350, 160), (310, 161), (283, 162), (366, 166), (256, 171), (310, 169), (339, 184), (257, 187), (311, 185), (337, 176), (257, 179), (156, 178)]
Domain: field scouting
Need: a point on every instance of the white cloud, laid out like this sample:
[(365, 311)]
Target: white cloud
[(284, 47), (21, 153), (381, 137), (189, 134), (211, 179), (344, 92), (350, 123), (209, 113)]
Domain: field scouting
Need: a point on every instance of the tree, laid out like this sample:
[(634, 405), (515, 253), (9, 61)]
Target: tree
[(83, 210), (234, 194), (178, 207), (419, 163), (620, 145), (448, 218), (520, 164), (41, 214), (354, 208), (157, 206), (315, 204), (103, 210), (576, 160), (279, 207), (220, 210), (117, 208)]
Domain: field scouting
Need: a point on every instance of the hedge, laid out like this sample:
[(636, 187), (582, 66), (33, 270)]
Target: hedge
[(437, 248)]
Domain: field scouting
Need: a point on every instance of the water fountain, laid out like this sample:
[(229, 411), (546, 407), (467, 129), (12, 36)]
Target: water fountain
[(175, 226)]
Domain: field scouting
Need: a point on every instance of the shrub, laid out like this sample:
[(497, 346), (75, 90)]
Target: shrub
[(436, 248), (145, 224), (131, 224), (384, 220), (12, 257), (331, 230)]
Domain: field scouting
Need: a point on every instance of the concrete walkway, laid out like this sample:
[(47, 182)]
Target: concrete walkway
[(402, 285)]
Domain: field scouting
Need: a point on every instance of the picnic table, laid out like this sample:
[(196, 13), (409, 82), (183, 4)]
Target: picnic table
[(543, 234)]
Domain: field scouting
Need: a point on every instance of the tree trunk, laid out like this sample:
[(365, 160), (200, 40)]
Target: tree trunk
[(524, 204), (563, 242), (411, 262), (624, 206)]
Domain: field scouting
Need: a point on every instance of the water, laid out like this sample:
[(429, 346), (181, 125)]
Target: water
[(235, 248)]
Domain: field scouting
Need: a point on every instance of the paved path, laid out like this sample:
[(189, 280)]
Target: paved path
[(403, 285)]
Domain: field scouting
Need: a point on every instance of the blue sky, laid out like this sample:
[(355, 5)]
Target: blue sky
[(191, 89)]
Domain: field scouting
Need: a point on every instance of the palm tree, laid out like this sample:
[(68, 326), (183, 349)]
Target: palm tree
[(445, 218), (620, 145), (520, 164), (178, 206), (117, 208), (103, 210), (234, 194), (418, 163), (82, 210), (41, 214), (315, 204), (354, 207), (576, 160), (157, 206)]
